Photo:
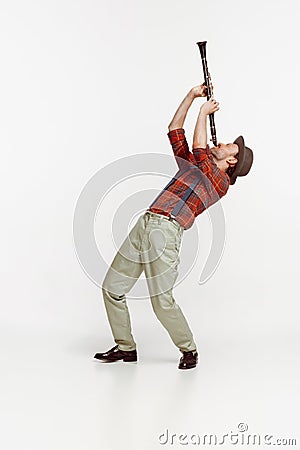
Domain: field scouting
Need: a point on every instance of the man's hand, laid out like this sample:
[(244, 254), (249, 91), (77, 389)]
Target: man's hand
[(209, 107), (201, 91)]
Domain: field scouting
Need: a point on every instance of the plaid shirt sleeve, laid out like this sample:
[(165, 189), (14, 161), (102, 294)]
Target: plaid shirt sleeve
[(219, 179), (201, 154), (180, 147)]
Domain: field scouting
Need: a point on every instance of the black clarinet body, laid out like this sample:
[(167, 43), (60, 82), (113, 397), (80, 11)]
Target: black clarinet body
[(202, 48)]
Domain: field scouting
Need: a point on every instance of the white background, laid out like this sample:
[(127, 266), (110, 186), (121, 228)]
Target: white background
[(84, 83)]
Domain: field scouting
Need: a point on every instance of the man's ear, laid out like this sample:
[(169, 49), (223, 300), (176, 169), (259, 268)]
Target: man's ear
[(231, 160)]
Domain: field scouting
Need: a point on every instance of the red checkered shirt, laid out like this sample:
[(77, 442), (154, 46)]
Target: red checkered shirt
[(209, 183)]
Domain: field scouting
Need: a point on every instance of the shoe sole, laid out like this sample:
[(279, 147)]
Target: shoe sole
[(116, 360), (186, 368)]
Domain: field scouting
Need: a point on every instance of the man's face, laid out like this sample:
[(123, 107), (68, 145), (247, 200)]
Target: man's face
[(225, 151)]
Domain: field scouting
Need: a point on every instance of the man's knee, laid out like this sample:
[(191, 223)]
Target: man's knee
[(108, 293), (163, 304)]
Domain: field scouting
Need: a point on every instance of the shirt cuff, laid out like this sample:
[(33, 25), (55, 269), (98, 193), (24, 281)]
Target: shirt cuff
[(201, 153), (176, 135), (202, 149)]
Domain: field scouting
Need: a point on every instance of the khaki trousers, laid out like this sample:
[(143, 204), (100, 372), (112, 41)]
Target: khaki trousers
[(152, 246)]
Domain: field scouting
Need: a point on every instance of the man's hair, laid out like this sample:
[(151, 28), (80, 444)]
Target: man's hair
[(230, 170)]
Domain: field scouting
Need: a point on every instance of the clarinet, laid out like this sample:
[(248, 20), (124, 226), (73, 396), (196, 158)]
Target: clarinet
[(202, 48)]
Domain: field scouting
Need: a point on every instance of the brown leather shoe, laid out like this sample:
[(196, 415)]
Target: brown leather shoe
[(188, 360), (114, 354)]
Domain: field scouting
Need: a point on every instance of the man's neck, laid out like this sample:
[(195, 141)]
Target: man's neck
[(219, 163)]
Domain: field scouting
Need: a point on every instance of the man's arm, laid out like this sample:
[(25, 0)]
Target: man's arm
[(180, 114), (200, 131)]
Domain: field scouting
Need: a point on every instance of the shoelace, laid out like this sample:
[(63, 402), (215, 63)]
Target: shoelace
[(113, 348)]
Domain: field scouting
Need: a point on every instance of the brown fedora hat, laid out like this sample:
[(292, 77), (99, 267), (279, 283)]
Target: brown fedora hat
[(245, 160)]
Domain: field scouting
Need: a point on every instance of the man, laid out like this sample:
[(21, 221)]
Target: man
[(153, 244)]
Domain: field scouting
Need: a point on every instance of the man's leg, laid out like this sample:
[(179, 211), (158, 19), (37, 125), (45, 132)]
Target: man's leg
[(161, 259), (121, 276)]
